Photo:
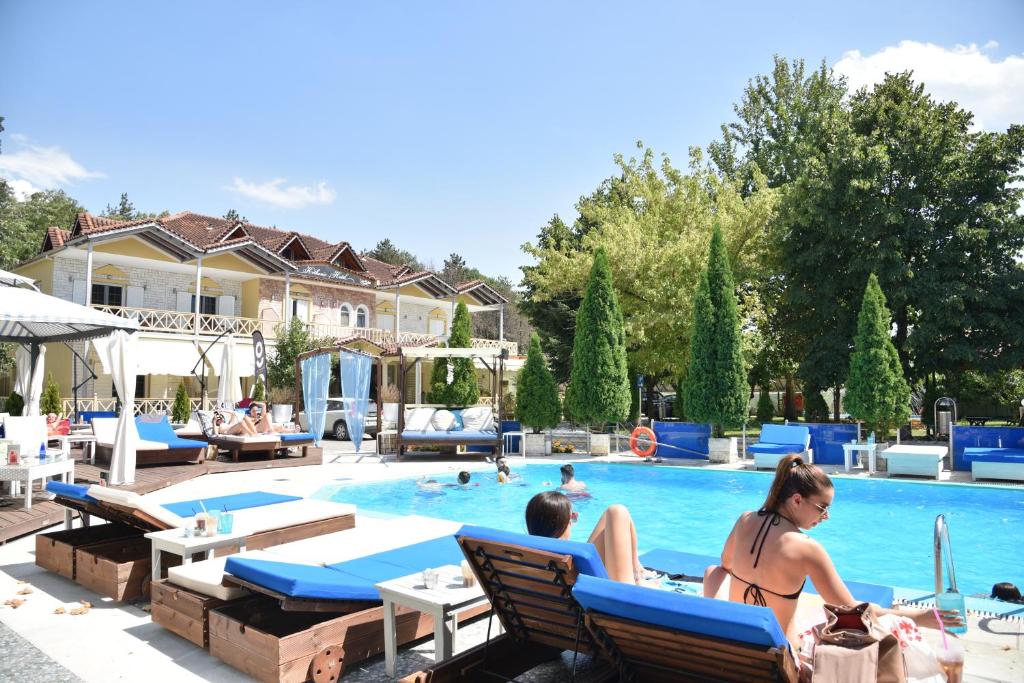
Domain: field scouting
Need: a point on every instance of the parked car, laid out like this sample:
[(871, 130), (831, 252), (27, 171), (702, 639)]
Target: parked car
[(335, 424)]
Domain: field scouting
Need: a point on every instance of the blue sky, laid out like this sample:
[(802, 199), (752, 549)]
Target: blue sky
[(446, 126)]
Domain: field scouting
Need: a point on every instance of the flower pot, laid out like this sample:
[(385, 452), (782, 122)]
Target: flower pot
[(389, 416), (537, 444), (281, 413), (600, 444), (722, 450)]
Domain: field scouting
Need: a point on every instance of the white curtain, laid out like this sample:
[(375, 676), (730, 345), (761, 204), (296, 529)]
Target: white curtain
[(121, 358), (229, 389), (28, 380)]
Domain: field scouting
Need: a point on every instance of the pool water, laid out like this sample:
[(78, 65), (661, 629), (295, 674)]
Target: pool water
[(879, 531)]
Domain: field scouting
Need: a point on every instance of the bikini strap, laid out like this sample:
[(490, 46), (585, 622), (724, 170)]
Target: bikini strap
[(771, 518)]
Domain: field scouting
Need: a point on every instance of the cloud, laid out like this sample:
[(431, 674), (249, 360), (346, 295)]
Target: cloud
[(31, 168), (277, 193), (964, 73)]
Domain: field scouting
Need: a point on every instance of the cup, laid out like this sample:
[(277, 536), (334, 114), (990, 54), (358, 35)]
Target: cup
[(953, 601), (950, 655), (212, 523), (225, 522), (429, 579), (201, 525), (468, 577)]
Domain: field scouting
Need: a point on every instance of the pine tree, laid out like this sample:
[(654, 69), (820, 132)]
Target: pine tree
[(462, 390), (537, 403), (715, 389), (599, 381), (50, 402), (876, 391), (765, 409), (182, 408)]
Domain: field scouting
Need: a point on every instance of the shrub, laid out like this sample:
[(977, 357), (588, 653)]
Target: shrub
[(537, 405), (182, 408), (50, 401), (291, 340), (389, 394), (765, 409), (15, 404), (258, 392), (815, 407)]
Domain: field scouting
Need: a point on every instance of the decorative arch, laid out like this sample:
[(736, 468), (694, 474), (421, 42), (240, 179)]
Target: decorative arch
[(437, 322), (346, 315), (362, 316)]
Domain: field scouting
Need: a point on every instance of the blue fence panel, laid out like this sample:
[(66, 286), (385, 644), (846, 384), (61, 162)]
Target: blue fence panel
[(983, 437), (681, 439), (827, 439)]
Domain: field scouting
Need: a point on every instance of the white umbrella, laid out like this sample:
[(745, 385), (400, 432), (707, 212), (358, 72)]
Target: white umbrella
[(229, 390), (30, 317), (29, 376), (120, 354)]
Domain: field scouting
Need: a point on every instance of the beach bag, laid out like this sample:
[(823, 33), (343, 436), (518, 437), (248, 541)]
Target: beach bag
[(852, 646)]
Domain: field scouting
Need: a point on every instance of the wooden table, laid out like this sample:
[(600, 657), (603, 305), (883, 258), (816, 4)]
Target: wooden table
[(443, 603)]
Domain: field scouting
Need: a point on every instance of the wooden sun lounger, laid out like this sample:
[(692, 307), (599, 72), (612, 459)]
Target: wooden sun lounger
[(237, 447)]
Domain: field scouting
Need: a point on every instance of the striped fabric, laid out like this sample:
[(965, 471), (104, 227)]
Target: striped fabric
[(33, 317)]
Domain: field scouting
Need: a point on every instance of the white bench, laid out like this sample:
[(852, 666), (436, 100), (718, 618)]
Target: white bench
[(918, 461)]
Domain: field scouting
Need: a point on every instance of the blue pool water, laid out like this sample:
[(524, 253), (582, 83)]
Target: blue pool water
[(879, 531)]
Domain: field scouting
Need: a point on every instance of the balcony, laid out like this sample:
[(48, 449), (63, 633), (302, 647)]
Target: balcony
[(156, 320)]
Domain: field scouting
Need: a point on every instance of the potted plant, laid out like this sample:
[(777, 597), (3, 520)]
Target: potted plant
[(537, 404), (715, 389), (389, 397)]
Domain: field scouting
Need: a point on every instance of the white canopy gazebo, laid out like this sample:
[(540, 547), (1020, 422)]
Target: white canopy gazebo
[(32, 318)]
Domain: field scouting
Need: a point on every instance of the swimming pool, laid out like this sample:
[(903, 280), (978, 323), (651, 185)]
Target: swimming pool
[(879, 531)]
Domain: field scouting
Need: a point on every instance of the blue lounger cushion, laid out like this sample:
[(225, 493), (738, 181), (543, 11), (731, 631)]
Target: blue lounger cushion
[(297, 436), (863, 592), (991, 454), (71, 491), (793, 435), (162, 432), (584, 555), (775, 448), (691, 614), (453, 437), (236, 501)]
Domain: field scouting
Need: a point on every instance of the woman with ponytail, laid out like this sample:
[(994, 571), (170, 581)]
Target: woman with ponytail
[(767, 557)]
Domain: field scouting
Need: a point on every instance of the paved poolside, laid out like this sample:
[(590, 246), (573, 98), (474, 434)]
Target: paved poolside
[(114, 642)]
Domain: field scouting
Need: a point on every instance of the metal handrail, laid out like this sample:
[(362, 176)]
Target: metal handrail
[(942, 532)]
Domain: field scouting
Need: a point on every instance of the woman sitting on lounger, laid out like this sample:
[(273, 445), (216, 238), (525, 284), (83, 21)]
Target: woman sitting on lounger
[(550, 514), (767, 558), (256, 422)]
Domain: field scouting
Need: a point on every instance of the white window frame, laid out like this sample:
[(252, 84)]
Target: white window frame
[(346, 308), (365, 312)]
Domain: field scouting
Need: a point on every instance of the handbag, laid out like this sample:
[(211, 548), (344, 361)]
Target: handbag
[(853, 646)]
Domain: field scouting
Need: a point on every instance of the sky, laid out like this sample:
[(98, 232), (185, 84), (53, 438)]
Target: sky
[(444, 126)]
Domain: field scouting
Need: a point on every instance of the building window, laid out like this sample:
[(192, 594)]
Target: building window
[(140, 386), (362, 317), (345, 316), (207, 304), (108, 295), (300, 309)]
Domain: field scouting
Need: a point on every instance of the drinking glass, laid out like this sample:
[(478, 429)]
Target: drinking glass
[(953, 601), (951, 658), (225, 522), (429, 578)]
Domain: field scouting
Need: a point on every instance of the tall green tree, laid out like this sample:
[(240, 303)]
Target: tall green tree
[(453, 380), (126, 211), (385, 250), (181, 409), (715, 389), (291, 339), (23, 224), (454, 270), (537, 402), (50, 400), (235, 217), (876, 392), (599, 383)]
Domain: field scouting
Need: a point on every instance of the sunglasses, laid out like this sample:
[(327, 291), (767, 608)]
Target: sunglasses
[(823, 509)]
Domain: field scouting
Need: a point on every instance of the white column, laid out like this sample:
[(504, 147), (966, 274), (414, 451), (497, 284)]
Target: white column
[(287, 298), (88, 275), (398, 311), (501, 322), (419, 382), (199, 285)]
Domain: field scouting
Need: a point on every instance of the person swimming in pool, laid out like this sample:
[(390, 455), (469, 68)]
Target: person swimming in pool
[(550, 513), (569, 480), (463, 480), (767, 558)]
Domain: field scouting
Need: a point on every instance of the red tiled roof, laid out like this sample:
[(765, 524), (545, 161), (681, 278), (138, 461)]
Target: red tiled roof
[(55, 238)]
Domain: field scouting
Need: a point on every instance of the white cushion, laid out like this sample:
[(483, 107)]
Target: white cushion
[(207, 578), (418, 419), (116, 496), (442, 420), (245, 438), (29, 432), (290, 513), (135, 501), (479, 419)]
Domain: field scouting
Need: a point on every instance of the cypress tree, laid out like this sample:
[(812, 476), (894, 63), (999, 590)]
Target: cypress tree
[(50, 401), (876, 391), (259, 392), (715, 389), (765, 409), (462, 390), (182, 409), (537, 403), (599, 381)]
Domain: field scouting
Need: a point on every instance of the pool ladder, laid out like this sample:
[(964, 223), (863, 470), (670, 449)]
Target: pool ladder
[(943, 551)]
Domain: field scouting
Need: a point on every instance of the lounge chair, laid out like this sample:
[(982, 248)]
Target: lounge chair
[(778, 441), (200, 427), (156, 442), (653, 635), (995, 463)]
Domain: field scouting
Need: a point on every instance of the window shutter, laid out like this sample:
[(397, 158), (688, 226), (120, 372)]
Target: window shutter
[(134, 297), (226, 305), (184, 302), (78, 292)]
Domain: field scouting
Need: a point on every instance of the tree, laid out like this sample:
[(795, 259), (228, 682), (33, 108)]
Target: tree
[(386, 251), (234, 217), (50, 400), (537, 403), (876, 391), (182, 408), (599, 382), (765, 409), (23, 224), (292, 339), (15, 404), (259, 393), (454, 270), (453, 380), (126, 211), (715, 389)]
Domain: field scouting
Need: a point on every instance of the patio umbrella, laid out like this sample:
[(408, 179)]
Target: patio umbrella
[(229, 390), (31, 317)]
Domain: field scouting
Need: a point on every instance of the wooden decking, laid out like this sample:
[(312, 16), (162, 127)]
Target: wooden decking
[(15, 521)]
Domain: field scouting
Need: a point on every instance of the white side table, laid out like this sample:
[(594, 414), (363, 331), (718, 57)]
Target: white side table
[(174, 541), (849, 448), (443, 603), (30, 471), (507, 441), (88, 442)]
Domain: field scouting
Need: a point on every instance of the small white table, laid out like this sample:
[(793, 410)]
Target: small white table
[(920, 461), (848, 450), (88, 442), (507, 437), (174, 541), (443, 603), (30, 471)]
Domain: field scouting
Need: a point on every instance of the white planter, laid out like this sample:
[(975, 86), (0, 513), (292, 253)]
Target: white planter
[(389, 415), (536, 444), (600, 444), (722, 450), (281, 413)]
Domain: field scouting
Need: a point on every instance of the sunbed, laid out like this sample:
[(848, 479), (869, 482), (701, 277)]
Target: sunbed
[(156, 443), (653, 635), (778, 441)]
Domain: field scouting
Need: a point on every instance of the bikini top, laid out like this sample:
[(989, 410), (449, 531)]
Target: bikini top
[(754, 594)]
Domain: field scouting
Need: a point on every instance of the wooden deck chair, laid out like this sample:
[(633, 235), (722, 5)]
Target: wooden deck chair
[(653, 635)]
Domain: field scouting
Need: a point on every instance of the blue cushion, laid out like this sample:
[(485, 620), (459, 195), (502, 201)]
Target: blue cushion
[(688, 613), (301, 581), (863, 592), (296, 436), (583, 554), (1004, 455), (459, 425), (795, 435), (774, 448), (237, 501), (453, 437), (86, 416), (73, 491), (408, 559), (160, 430)]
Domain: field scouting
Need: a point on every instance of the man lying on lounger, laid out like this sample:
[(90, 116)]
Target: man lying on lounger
[(257, 422)]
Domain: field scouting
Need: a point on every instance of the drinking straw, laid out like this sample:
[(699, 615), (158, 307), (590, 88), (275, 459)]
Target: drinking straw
[(942, 629), (203, 506), (225, 508)]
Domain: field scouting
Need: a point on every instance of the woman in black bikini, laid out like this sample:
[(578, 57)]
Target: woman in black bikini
[(767, 558)]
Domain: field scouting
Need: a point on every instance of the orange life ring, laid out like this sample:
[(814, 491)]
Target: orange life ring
[(634, 439)]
